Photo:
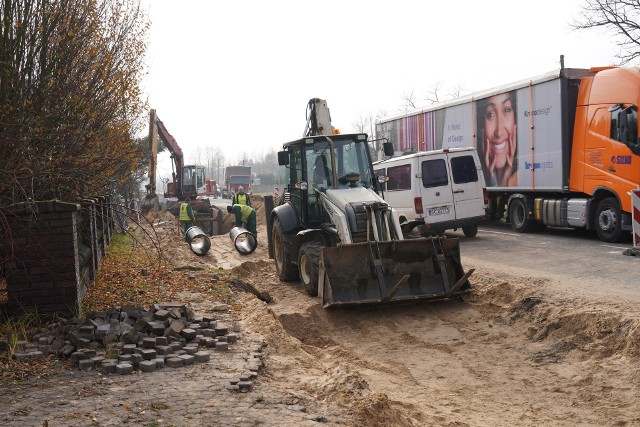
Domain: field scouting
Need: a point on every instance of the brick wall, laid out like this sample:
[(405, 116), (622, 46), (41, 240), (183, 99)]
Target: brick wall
[(52, 251)]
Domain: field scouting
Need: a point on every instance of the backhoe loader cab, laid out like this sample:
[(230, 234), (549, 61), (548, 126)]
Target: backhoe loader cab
[(342, 240), (311, 171)]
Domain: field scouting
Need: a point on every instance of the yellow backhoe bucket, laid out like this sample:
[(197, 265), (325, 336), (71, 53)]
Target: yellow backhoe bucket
[(383, 272)]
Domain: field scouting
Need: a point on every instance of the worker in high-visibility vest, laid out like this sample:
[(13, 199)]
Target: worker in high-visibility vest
[(245, 217), (186, 215), (241, 198)]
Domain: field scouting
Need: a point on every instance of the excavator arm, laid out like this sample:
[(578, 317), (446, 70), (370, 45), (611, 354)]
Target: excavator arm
[(150, 200), (177, 187), (174, 189), (153, 153), (157, 130)]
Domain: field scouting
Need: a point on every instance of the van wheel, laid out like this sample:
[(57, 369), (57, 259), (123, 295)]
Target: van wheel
[(308, 266), (281, 254), (470, 230), (519, 216), (608, 220)]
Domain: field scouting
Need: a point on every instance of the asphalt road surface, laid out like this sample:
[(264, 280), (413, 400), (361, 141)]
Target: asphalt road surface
[(577, 256)]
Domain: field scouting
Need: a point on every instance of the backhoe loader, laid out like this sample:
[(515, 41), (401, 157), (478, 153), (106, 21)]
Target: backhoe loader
[(334, 232)]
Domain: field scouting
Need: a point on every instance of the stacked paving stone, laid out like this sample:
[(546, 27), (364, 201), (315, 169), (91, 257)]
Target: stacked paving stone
[(244, 383), (132, 338)]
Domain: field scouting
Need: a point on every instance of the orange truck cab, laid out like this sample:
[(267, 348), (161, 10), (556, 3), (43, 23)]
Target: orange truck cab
[(604, 159)]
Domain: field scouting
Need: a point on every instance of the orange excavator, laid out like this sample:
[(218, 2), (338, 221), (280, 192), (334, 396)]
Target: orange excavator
[(187, 181)]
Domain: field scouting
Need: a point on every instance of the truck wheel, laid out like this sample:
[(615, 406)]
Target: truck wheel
[(308, 266), (519, 217), (608, 220), (470, 230), (287, 272)]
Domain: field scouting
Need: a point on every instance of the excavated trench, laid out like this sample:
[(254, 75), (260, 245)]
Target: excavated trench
[(513, 351)]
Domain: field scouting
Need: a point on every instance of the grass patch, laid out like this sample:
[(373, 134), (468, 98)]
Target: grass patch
[(121, 244), (14, 329)]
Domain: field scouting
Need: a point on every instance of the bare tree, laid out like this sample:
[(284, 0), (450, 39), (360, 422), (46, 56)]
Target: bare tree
[(130, 184), (362, 125), (209, 161), (198, 155), (220, 164), (70, 97), (409, 101), (433, 94), (619, 17), (456, 92)]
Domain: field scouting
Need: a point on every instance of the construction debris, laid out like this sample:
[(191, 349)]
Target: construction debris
[(122, 340)]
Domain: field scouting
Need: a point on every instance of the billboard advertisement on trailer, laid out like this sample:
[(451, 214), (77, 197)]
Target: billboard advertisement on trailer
[(515, 131)]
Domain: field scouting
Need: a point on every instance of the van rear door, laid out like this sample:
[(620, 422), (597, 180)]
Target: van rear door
[(466, 184), (437, 198)]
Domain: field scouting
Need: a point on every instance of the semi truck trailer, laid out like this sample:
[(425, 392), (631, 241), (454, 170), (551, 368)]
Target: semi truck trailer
[(560, 149)]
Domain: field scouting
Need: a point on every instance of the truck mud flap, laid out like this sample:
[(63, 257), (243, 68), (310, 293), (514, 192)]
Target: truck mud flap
[(385, 272)]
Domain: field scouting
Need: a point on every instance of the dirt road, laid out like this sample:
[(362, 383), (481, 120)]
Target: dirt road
[(522, 349)]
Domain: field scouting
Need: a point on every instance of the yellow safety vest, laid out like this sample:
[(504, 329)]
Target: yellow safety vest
[(184, 215), (241, 199), (245, 211)]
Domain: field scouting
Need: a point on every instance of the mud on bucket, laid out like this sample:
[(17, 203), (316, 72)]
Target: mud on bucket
[(244, 242), (198, 241)]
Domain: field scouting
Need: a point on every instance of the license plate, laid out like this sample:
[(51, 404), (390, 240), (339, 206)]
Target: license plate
[(440, 210)]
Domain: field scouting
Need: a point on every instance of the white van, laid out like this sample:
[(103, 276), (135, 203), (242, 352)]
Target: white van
[(438, 190)]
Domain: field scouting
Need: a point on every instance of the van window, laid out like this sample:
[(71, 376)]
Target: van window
[(434, 173), (399, 178), (463, 169)]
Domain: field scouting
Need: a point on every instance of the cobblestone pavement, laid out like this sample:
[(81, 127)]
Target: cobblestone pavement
[(196, 395)]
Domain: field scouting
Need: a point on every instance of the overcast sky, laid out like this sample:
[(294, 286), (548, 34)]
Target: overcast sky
[(238, 74)]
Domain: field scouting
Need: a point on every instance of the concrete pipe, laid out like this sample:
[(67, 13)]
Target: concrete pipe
[(198, 241), (243, 240)]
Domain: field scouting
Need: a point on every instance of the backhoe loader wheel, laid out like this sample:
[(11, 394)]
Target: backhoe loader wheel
[(287, 271), (308, 266)]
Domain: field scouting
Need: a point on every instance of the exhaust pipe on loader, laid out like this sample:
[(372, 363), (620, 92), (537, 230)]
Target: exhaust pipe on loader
[(391, 271)]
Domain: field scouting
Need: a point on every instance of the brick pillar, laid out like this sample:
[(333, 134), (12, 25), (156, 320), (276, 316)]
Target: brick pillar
[(42, 247)]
